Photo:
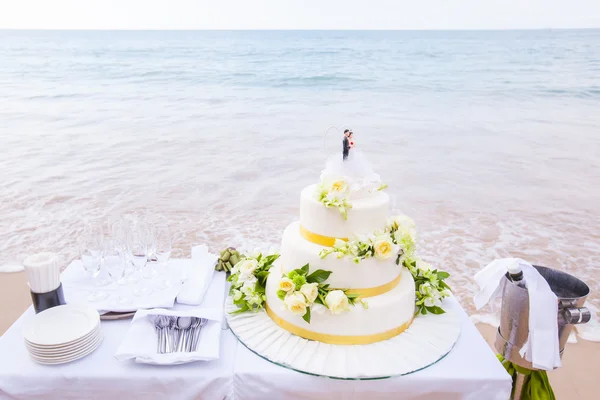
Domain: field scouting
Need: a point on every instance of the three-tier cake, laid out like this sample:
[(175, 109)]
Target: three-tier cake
[(348, 297), (385, 289)]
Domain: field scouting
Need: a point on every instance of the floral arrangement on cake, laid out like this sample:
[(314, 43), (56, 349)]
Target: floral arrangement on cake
[(399, 240), (300, 291), (335, 193), (248, 279)]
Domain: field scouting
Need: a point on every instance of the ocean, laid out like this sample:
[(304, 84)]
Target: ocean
[(490, 140)]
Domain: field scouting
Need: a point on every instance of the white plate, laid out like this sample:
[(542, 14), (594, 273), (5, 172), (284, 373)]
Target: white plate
[(64, 351), (63, 346), (69, 358), (61, 325)]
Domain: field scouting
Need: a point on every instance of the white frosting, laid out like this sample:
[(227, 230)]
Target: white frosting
[(367, 215), (385, 312), (297, 251)]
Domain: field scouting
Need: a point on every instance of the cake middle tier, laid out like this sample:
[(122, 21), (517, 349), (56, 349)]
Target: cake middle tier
[(346, 274), (367, 215), (383, 316)]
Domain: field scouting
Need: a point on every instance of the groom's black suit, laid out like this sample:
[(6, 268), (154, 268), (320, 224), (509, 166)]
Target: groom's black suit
[(346, 148)]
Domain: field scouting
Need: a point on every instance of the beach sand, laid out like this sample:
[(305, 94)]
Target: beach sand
[(574, 381)]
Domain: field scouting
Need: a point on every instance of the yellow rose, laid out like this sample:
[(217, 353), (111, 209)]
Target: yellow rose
[(295, 303), (339, 186), (337, 302), (286, 284), (310, 291), (384, 247)]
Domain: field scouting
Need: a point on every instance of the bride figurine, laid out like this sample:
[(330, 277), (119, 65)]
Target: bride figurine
[(353, 167)]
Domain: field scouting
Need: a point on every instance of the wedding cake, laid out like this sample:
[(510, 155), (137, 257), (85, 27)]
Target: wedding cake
[(348, 296), (340, 278)]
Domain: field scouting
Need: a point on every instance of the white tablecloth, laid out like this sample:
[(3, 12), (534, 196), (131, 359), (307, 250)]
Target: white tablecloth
[(101, 376), (470, 372)]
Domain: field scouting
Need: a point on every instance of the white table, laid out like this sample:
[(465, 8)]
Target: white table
[(101, 376), (469, 372)]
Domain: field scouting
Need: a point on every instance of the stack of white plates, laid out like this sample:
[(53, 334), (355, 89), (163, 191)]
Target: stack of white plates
[(63, 334)]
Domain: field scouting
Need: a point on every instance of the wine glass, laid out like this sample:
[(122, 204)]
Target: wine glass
[(121, 233), (138, 256), (114, 262), (90, 250), (163, 247)]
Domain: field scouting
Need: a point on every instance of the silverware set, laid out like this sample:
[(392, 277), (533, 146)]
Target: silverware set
[(177, 334)]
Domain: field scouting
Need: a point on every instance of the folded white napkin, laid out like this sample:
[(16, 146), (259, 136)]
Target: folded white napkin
[(77, 285), (141, 340), (542, 347), (198, 276)]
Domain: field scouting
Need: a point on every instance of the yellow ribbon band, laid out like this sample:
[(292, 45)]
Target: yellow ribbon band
[(336, 339), (369, 292), (375, 291), (315, 238)]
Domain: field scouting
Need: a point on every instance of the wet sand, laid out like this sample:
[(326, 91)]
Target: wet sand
[(575, 380)]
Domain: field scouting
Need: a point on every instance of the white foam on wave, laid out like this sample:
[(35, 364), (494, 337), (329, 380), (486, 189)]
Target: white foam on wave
[(9, 268), (487, 319)]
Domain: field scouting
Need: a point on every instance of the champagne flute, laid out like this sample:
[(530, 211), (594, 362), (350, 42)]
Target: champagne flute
[(138, 256), (114, 263), (90, 250), (121, 232), (163, 247)]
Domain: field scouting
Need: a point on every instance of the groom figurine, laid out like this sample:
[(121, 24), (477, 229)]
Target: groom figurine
[(346, 144)]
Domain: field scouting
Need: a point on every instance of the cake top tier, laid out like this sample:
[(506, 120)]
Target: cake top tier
[(354, 170), (340, 217)]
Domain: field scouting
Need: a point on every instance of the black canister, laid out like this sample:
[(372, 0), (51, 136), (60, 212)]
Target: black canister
[(44, 301)]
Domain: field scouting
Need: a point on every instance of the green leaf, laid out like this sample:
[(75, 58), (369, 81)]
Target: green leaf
[(435, 310), (444, 285), (244, 308), (423, 310), (319, 276), (262, 277), (442, 275), (281, 294), (306, 316), (320, 299), (304, 270), (270, 259)]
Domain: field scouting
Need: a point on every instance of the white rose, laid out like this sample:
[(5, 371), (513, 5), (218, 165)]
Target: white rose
[(337, 302), (425, 289), (429, 302), (237, 295), (295, 303), (433, 301), (254, 299), (384, 247), (248, 288), (310, 291), (247, 267), (286, 284), (339, 186), (423, 266)]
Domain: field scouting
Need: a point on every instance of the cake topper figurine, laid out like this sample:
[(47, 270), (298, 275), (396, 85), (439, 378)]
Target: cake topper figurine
[(347, 143)]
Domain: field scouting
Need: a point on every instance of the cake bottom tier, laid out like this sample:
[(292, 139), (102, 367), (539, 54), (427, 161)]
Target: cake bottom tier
[(384, 317)]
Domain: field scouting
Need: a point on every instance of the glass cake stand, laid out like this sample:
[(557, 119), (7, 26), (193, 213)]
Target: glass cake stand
[(337, 377)]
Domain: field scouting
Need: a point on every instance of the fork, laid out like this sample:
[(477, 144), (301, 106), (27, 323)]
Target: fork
[(200, 324)]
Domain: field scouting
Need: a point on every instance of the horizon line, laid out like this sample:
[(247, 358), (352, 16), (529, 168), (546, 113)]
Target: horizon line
[(297, 30)]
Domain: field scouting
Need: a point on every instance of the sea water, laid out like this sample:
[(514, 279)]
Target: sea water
[(489, 140)]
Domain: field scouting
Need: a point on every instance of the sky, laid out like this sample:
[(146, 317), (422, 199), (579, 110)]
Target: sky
[(299, 14)]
